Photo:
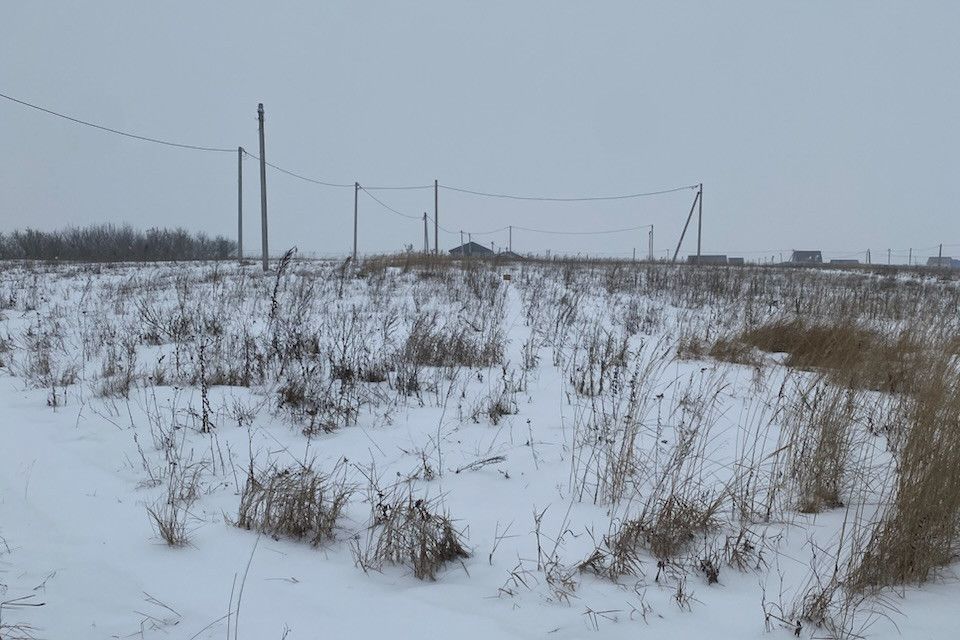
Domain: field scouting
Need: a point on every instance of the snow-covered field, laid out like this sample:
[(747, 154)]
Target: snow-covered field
[(605, 479)]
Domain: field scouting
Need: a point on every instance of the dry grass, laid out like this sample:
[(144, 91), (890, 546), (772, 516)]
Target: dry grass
[(920, 530), (410, 531), (297, 502), (818, 436), (169, 516), (854, 356)]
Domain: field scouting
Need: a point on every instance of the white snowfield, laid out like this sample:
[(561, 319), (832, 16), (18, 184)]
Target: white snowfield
[(541, 415)]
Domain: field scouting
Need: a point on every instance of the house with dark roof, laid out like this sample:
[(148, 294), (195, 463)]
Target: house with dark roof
[(471, 249), (944, 262), (806, 257), (707, 259)]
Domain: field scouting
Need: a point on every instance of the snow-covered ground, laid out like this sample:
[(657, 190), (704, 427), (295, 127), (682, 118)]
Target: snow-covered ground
[(115, 379)]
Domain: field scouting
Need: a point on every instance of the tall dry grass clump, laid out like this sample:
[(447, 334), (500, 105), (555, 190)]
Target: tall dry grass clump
[(296, 502), (853, 355), (818, 438), (410, 531), (920, 530)]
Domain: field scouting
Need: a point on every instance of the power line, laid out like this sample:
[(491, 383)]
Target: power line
[(368, 189), (338, 185), (583, 233), (127, 134), (386, 206), (299, 176), (574, 199)]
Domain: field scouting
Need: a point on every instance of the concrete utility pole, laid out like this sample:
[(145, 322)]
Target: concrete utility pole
[(436, 218), (686, 224), (356, 193), (426, 234), (240, 205), (263, 190), (511, 238), (699, 221), (650, 242)]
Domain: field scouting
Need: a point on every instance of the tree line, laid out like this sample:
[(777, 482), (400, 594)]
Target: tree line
[(109, 243)]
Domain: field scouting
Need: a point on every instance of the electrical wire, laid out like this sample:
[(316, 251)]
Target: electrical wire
[(388, 207), (336, 185), (127, 134), (575, 199), (368, 189), (583, 233), (298, 176)]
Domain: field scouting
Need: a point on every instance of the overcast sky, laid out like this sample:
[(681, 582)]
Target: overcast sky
[(813, 124)]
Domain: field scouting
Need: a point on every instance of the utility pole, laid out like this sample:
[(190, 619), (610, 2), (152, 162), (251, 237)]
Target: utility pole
[(888, 257), (356, 194), (436, 218), (511, 238), (650, 241), (686, 224), (699, 221), (461, 244), (263, 190), (240, 205), (634, 254), (426, 235), (940, 255), (470, 244), (910, 257)]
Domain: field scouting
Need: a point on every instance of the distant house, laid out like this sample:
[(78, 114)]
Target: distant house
[(471, 249), (944, 262), (509, 255), (844, 261), (735, 261), (806, 257), (707, 259)]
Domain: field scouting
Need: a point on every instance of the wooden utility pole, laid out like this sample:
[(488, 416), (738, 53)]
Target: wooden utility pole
[(699, 221), (910, 257), (263, 190), (511, 239), (888, 256), (940, 254), (436, 218), (356, 193), (240, 205), (470, 244)]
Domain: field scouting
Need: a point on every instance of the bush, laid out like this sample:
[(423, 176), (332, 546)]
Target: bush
[(107, 243)]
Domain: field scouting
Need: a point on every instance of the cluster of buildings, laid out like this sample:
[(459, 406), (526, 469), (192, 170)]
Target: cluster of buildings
[(797, 257)]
